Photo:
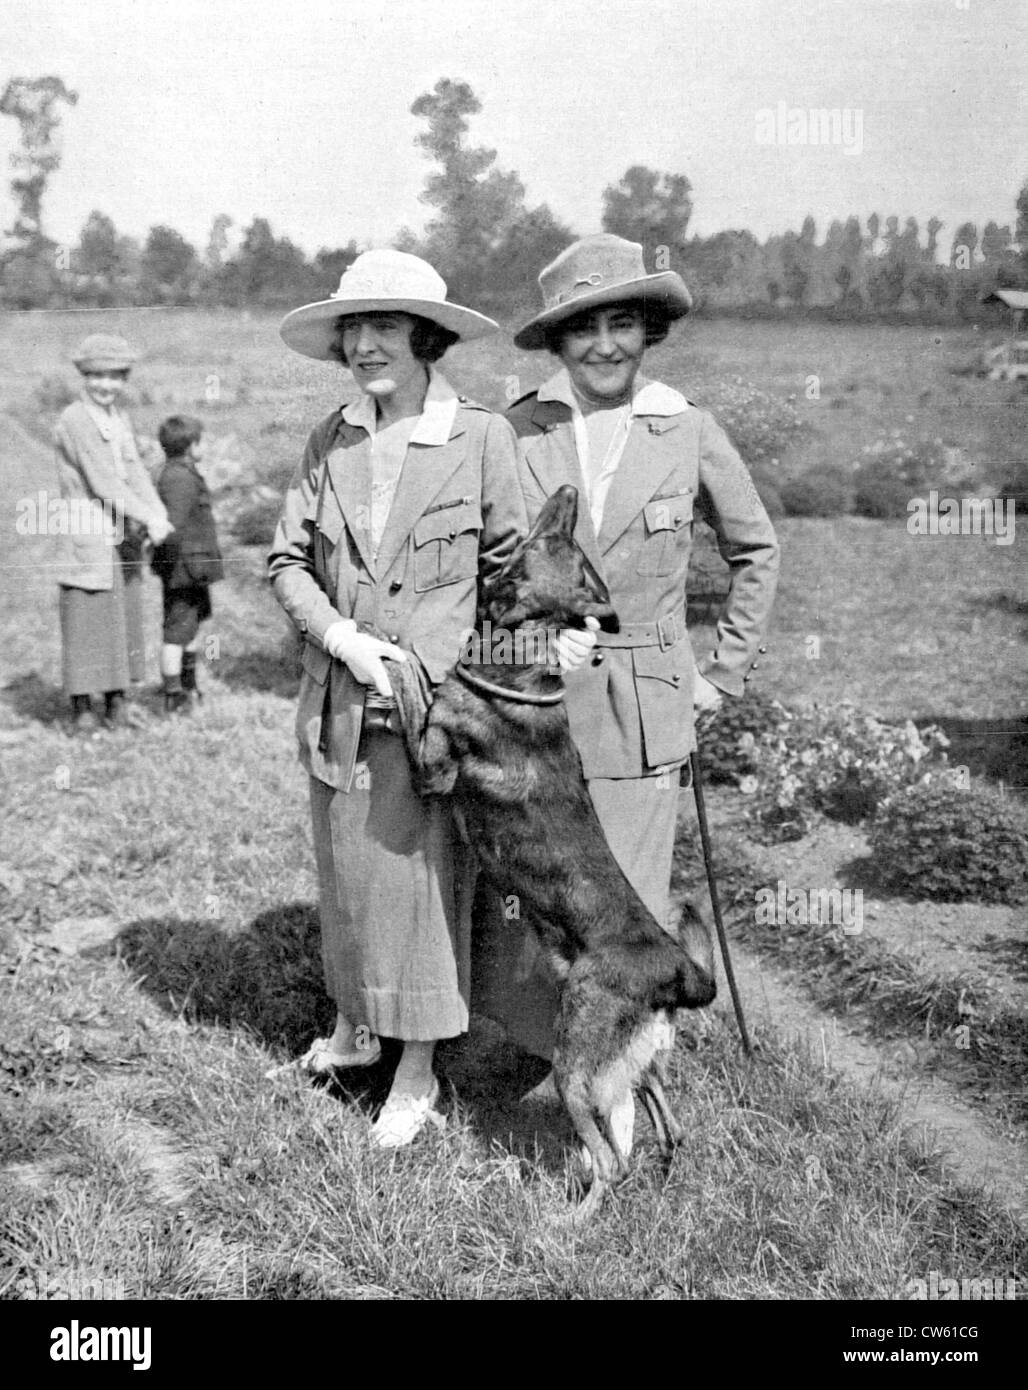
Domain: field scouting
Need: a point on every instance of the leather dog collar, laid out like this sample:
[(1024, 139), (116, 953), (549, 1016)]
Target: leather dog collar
[(478, 683)]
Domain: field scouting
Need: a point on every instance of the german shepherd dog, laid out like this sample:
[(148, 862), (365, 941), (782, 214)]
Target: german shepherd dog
[(496, 739)]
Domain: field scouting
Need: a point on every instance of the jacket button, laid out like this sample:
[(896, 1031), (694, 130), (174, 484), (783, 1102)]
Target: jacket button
[(678, 521), (453, 532), (676, 678), (394, 585), (598, 659), (753, 666), (762, 650), (394, 638)]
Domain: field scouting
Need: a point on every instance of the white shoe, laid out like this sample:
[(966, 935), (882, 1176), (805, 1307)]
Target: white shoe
[(403, 1118), (321, 1058)]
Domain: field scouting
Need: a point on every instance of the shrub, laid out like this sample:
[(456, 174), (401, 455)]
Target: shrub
[(880, 493), (760, 425), (731, 745), (821, 492), (254, 524), (938, 840), (891, 472), (837, 762)]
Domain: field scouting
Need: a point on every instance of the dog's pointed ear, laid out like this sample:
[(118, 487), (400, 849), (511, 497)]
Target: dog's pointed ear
[(601, 608), (593, 582), (559, 515)]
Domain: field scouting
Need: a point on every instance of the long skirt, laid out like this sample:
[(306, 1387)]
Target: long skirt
[(513, 982), (395, 885), (102, 640)]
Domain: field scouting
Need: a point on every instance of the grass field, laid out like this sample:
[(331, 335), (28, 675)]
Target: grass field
[(159, 934)]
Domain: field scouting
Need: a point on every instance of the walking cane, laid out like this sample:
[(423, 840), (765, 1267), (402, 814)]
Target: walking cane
[(715, 902)]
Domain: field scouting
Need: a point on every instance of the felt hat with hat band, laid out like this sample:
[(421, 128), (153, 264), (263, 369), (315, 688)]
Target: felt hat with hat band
[(596, 271), (380, 282), (103, 352)]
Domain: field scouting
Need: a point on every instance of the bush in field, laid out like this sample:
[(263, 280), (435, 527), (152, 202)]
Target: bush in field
[(821, 492), (939, 840), (254, 523), (891, 472), (836, 762), (731, 746), (759, 425)]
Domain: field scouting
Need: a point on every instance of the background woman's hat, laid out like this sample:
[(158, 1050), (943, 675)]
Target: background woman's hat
[(382, 282), (598, 270), (102, 352)]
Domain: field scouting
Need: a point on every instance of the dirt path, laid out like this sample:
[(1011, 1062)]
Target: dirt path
[(930, 1107)]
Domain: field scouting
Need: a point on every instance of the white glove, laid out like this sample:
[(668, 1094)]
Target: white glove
[(361, 653), (572, 645), (706, 699), (159, 531)]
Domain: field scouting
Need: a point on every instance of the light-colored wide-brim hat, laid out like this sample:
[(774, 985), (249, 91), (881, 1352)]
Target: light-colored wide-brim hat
[(381, 282), (103, 352), (596, 271)]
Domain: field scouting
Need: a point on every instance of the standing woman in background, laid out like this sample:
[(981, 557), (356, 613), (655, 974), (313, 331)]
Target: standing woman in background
[(112, 505)]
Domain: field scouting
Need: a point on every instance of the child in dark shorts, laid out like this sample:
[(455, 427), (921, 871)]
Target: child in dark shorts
[(188, 562)]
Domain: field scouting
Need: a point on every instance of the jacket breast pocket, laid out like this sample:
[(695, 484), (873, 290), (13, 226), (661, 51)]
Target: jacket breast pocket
[(668, 523), (445, 545)]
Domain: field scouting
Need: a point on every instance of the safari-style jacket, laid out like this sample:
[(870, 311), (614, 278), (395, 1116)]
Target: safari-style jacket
[(89, 478), (456, 515), (631, 704)]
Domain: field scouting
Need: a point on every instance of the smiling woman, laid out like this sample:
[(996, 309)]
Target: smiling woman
[(100, 572), (405, 500), (647, 462)]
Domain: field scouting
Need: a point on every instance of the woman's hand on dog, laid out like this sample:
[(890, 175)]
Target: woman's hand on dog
[(572, 645), (362, 653)]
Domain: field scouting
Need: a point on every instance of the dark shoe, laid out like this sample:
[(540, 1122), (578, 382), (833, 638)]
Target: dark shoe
[(177, 702), (114, 709), (189, 674)]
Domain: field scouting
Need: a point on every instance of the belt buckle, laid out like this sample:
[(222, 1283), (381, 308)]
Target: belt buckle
[(667, 631)]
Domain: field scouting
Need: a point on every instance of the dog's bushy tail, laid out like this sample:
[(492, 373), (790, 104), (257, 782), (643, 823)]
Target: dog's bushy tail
[(696, 986)]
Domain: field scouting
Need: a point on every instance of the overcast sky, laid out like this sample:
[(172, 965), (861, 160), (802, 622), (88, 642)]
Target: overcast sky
[(299, 111)]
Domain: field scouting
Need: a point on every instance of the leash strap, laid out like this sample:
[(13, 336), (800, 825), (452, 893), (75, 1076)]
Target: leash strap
[(715, 901)]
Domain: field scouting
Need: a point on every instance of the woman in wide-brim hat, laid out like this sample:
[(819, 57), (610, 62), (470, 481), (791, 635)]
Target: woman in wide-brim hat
[(406, 499), (646, 462), (109, 505)]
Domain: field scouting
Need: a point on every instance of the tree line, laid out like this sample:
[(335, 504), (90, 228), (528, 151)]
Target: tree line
[(489, 244)]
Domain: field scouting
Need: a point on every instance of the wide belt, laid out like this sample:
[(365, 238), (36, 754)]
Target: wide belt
[(663, 633)]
